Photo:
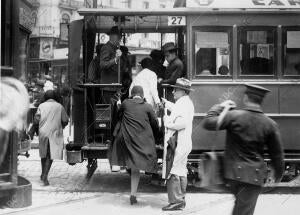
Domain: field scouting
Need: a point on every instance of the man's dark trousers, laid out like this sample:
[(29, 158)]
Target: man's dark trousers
[(245, 197)]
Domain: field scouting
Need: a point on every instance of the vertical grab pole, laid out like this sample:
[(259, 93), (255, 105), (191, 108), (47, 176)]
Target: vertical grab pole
[(119, 60), (164, 168)]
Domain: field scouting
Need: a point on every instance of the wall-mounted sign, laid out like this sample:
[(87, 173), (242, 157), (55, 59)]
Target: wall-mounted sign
[(235, 4), (46, 48), (46, 31)]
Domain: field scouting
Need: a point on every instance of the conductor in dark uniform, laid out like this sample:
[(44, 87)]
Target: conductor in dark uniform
[(249, 132)]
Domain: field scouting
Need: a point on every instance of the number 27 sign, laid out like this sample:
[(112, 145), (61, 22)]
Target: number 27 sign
[(176, 20)]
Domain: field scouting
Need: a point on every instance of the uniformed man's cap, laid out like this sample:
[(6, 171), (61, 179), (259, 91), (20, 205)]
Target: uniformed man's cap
[(256, 90)]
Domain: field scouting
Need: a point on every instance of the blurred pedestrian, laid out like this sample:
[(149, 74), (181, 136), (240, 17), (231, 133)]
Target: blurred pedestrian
[(249, 131), (14, 105), (147, 79), (134, 144), (52, 118), (180, 121)]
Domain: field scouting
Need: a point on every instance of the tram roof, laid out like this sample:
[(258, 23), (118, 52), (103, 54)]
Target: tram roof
[(178, 11)]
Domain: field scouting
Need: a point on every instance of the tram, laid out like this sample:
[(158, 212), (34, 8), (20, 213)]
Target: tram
[(219, 46)]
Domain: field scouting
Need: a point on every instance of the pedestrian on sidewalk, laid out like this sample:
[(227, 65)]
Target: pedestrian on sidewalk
[(52, 118), (134, 144), (180, 121), (248, 132)]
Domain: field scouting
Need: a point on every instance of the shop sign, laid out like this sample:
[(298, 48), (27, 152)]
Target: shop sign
[(46, 31), (25, 18), (251, 4), (46, 48)]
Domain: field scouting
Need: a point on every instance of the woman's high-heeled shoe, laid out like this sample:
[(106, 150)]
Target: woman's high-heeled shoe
[(133, 200)]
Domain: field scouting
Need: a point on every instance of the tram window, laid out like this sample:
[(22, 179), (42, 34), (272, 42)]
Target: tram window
[(257, 52), (292, 53), (212, 53)]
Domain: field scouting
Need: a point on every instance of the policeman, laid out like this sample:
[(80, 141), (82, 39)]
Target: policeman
[(249, 130)]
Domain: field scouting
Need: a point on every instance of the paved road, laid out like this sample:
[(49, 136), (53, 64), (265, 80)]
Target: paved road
[(108, 193)]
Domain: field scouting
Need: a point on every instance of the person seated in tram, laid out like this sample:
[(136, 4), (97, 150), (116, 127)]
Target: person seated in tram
[(94, 74), (223, 70), (134, 138), (147, 79), (157, 66)]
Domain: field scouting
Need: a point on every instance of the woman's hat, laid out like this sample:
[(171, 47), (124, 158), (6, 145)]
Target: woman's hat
[(184, 84), (169, 47), (114, 31)]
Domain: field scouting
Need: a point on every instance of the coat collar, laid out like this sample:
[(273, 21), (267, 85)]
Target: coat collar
[(50, 100), (253, 109), (137, 100)]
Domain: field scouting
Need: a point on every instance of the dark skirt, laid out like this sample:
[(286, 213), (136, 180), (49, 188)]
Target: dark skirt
[(122, 154)]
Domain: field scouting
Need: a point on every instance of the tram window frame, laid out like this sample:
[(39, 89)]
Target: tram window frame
[(240, 31), (285, 29), (221, 29)]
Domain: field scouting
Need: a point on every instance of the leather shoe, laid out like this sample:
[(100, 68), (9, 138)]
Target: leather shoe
[(174, 206), (133, 200)]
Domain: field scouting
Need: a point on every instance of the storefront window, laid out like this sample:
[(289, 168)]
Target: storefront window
[(291, 52), (257, 52), (212, 53)]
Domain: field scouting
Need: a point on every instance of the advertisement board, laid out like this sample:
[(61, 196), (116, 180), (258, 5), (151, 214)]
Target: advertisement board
[(251, 4)]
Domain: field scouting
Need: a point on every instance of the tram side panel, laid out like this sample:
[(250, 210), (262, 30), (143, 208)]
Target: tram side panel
[(282, 104)]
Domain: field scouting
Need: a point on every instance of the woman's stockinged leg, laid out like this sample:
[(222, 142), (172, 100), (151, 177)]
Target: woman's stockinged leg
[(135, 179)]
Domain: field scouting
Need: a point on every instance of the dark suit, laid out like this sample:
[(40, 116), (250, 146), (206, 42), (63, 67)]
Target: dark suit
[(108, 66), (249, 131)]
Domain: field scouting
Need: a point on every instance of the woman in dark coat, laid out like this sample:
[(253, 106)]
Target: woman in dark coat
[(134, 144)]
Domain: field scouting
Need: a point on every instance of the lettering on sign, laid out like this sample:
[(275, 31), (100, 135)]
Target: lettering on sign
[(176, 20), (244, 3), (46, 30)]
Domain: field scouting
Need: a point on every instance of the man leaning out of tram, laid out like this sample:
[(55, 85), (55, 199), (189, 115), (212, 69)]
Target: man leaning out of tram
[(134, 138), (181, 121), (147, 79)]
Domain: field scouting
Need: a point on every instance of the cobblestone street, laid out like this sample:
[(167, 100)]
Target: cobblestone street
[(70, 193)]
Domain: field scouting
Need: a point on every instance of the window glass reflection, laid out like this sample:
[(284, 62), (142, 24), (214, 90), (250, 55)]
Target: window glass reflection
[(292, 53), (212, 53), (257, 52)]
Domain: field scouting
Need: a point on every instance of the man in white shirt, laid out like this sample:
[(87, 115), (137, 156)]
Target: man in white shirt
[(147, 79)]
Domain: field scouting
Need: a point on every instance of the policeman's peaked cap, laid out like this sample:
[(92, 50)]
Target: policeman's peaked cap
[(256, 90)]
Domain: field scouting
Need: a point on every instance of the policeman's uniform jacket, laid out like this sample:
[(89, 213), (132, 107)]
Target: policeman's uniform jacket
[(249, 132)]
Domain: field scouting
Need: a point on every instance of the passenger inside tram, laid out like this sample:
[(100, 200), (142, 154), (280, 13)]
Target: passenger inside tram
[(212, 53)]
